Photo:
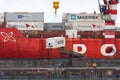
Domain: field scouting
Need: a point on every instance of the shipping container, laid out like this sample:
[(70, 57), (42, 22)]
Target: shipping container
[(81, 17), (54, 26), (83, 22), (85, 26), (26, 25), (55, 42), (24, 16)]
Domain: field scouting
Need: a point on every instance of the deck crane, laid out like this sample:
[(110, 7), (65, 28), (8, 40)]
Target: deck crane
[(109, 15)]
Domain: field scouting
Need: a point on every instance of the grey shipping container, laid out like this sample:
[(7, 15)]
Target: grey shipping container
[(79, 17), (54, 26), (24, 16)]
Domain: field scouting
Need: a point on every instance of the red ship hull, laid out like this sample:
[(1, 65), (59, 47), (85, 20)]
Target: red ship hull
[(35, 48)]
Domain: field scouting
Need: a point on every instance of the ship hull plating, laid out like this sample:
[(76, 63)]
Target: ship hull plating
[(14, 45)]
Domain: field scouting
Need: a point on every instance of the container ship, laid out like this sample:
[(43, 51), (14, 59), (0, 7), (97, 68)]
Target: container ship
[(84, 46)]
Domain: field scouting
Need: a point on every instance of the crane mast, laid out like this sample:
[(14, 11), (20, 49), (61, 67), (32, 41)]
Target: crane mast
[(109, 15)]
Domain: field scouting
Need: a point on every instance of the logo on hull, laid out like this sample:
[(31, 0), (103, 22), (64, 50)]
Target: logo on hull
[(8, 36), (108, 49)]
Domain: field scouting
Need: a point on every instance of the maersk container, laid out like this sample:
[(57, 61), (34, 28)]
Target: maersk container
[(24, 16), (25, 25), (54, 26), (81, 17)]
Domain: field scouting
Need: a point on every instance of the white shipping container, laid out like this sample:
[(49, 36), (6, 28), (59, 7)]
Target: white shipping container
[(26, 25), (71, 33), (81, 17), (85, 26), (55, 42), (24, 16)]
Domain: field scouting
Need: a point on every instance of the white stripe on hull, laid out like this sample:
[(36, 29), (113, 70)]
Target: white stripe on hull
[(109, 36)]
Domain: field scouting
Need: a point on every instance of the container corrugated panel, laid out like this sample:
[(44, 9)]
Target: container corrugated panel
[(25, 25), (24, 16), (81, 17), (54, 26), (85, 25)]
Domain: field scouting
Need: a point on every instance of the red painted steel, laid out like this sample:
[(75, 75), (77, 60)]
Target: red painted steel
[(35, 48)]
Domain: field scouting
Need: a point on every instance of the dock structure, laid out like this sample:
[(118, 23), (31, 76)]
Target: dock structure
[(59, 69)]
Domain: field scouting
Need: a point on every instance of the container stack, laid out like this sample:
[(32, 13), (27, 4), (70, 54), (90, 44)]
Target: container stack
[(24, 20), (29, 23), (83, 21)]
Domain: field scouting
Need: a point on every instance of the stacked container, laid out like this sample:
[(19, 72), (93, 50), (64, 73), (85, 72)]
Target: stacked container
[(83, 21), (25, 20)]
